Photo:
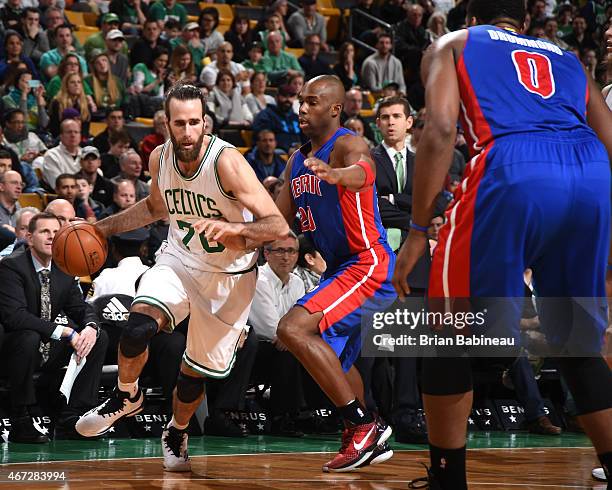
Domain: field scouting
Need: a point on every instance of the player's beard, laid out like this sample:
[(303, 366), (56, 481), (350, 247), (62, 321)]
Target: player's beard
[(183, 155)]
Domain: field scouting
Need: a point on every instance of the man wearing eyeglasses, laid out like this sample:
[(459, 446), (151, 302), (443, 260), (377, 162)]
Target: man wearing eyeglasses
[(276, 292)]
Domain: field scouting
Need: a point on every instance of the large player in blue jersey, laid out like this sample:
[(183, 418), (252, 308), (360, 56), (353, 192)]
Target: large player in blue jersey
[(535, 194), (329, 183)]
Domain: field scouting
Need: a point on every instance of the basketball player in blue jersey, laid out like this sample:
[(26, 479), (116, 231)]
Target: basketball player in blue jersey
[(329, 183), (535, 194)]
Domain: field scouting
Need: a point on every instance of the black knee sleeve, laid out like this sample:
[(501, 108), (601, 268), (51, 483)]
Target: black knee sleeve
[(136, 334), (446, 375), (189, 388), (590, 382)]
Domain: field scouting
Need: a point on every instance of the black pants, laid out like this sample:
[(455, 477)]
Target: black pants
[(21, 358), (228, 393), (283, 372)]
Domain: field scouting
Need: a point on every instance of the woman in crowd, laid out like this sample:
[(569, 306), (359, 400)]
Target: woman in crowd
[(436, 25), (345, 68), (181, 66), (240, 36), (30, 99), (209, 35), (71, 95), (108, 91), (69, 64), (226, 103), (257, 100), (13, 52), (148, 79)]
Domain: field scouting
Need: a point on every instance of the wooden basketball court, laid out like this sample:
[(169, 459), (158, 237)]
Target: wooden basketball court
[(496, 461)]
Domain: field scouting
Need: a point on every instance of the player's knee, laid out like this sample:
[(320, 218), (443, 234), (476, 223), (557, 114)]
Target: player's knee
[(590, 382), (446, 375), (136, 335), (189, 388)]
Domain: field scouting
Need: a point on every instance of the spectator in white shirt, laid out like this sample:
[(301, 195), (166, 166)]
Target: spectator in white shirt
[(65, 158)]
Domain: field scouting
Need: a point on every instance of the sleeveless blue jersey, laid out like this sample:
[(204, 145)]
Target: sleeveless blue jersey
[(544, 88), (339, 222)]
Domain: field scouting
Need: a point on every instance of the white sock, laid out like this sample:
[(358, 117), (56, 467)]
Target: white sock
[(131, 388), (176, 425)]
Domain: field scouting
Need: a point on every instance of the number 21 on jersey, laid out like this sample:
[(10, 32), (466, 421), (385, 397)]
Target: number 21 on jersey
[(534, 71)]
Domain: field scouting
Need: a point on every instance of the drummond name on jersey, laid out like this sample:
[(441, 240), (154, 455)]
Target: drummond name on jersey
[(521, 41), (185, 202)]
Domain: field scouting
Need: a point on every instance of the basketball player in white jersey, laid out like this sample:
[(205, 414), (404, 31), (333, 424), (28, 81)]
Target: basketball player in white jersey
[(211, 194)]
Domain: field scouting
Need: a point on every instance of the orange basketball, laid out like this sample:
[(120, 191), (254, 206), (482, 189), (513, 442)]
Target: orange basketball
[(79, 249)]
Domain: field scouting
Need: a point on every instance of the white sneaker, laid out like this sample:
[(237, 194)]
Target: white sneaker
[(598, 474), (174, 447), (100, 419)]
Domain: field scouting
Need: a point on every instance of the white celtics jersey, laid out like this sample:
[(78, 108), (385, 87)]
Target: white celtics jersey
[(189, 199)]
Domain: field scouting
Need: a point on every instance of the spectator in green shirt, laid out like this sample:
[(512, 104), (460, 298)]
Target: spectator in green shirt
[(109, 91), (254, 63), (69, 64), (98, 40), (50, 61), (190, 38), (277, 63), (162, 10), (132, 14)]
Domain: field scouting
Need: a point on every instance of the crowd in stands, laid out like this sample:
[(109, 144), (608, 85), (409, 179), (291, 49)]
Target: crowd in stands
[(75, 98)]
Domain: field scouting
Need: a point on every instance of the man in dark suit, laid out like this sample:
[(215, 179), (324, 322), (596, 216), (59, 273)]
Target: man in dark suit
[(34, 294), (394, 169)]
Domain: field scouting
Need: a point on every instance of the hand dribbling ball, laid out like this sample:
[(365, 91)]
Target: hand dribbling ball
[(79, 249)]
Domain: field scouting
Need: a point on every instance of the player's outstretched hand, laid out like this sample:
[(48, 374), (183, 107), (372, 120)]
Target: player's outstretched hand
[(322, 170), (409, 254), (222, 231)]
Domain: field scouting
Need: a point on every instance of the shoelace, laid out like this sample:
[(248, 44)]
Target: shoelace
[(113, 405), (174, 441), (421, 482)]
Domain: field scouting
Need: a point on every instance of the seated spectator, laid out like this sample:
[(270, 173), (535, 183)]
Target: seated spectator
[(264, 159), (258, 100), (142, 51), (10, 14), (115, 44), (158, 137), (29, 100), (70, 96), (307, 21), (411, 40), (273, 186), (66, 188), (310, 264), (181, 66), (296, 82), (84, 190), (22, 220), (254, 62), (34, 293), (274, 23), (132, 14), (64, 158), (9, 160), (190, 38), (241, 37), (69, 64), (35, 41), (353, 104), (280, 8), (10, 190), (108, 91), (52, 18), (130, 164), (50, 61), (382, 66), (580, 37), (355, 124), (26, 144), (345, 68), (119, 144), (226, 103), (172, 30), (310, 61), (13, 53), (276, 292), (225, 53), (124, 196), (115, 121), (551, 29), (281, 119), (148, 84), (436, 26), (209, 35), (102, 188), (277, 63), (389, 89), (164, 9), (97, 41)]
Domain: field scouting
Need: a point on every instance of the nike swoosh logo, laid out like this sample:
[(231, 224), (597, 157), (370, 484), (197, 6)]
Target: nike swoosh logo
[(359, 447)]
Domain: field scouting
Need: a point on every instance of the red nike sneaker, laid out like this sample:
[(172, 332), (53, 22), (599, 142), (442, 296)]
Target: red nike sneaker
[(358, 444)]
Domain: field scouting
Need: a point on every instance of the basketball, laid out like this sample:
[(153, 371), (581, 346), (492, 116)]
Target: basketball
[(79, 249)]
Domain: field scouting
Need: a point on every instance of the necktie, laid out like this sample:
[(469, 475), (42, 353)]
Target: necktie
[(394, 235), (45, 311)]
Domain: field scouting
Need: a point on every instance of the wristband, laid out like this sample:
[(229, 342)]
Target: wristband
[(416, 227), (370, 177), (71, 336)]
